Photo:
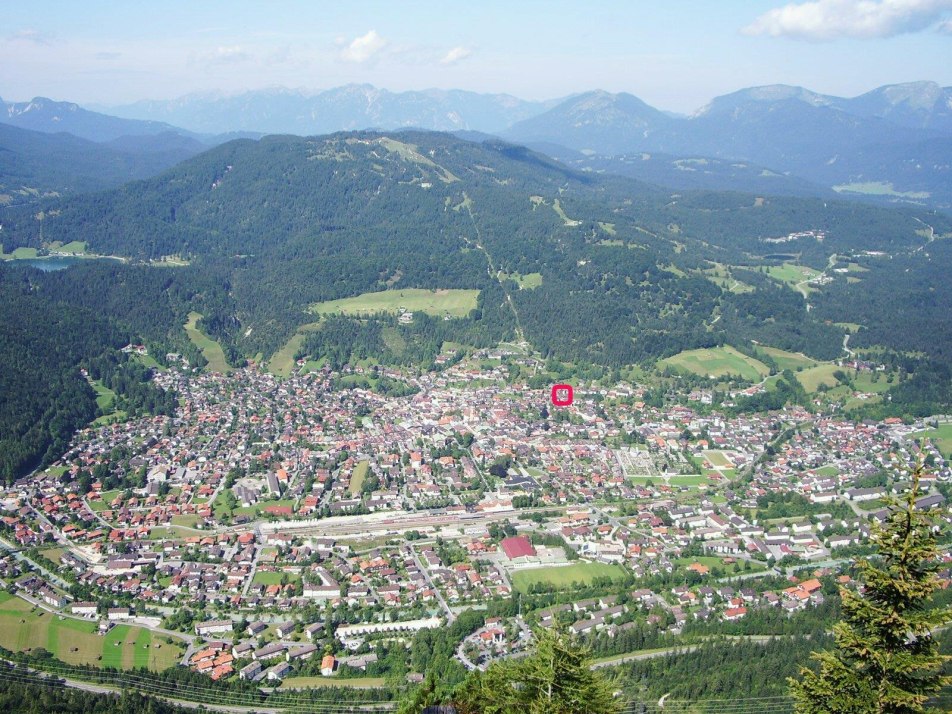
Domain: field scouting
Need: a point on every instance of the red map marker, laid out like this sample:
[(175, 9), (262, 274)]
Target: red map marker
[(562, 395)]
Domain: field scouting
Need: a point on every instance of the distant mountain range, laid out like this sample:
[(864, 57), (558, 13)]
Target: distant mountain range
[(355, 106), (892, 144), (34, 164)]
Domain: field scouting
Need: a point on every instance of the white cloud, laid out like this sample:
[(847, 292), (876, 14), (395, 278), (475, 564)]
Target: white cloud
[(364, 48), (864, 19), (457, 54), (33, 37), (228, 55)]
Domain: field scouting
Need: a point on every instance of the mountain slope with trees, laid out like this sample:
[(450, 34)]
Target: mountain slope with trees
[(286, 222)]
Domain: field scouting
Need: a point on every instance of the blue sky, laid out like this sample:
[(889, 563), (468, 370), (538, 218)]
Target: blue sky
[(676, 54)]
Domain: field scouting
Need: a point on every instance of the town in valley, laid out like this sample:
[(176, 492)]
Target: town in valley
[(279, 529)]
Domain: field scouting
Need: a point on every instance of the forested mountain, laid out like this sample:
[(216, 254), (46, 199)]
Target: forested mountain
[(607, 123), (287, 222), (689, 172), (34, 164)]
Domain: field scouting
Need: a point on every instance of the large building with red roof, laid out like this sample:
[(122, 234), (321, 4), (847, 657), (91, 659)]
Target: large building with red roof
[(517, 547)]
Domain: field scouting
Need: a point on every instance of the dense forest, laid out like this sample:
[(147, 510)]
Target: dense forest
[(26, 695), (44, 397)]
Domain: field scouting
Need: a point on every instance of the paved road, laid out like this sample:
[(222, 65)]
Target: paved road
[(115, 690), (450, 615), (99, 518), (683, 649), (51, 577)]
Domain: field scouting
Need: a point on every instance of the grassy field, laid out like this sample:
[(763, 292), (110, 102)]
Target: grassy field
[(941, 436), (282, 362), (265, 577), (74, 247), (864, 382), (20, 254), (565, 575), (570, 222), (721, 275), (106, 498), (793, 275), (77, 642), (456, 303), (529, 281), (788, 360), (878, 188), (104, 396), (812, 378), (53, 554), (211, 349), (309, 682), (715, 562), (717, 362), (690, 480), (357, 479)]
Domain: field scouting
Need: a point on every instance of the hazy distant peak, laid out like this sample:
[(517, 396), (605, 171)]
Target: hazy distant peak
[(920, 95), (765, 94)]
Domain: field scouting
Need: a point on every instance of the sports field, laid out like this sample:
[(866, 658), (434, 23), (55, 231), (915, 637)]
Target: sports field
[(76, 641), (563, 576), (456, 303), (941, 436), (717, 362), (718, 459)]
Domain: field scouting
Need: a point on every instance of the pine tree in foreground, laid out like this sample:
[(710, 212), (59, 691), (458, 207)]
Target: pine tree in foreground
[(886, 659), (555, 678)]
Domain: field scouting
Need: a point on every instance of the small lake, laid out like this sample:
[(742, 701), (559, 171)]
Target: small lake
[(52, 263)]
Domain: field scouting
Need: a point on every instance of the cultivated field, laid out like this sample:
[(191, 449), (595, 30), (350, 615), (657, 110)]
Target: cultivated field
[(718, 362), (77, 642), (787, 360), (211, 349), (456, 303), (563, 576)]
